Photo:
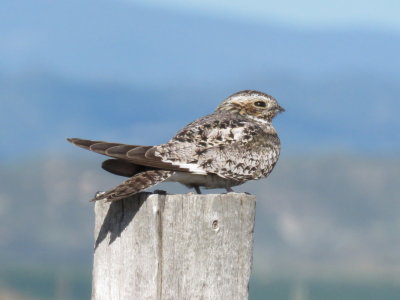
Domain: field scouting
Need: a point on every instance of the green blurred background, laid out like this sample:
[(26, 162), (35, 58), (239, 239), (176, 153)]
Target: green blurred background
[(327, 224)]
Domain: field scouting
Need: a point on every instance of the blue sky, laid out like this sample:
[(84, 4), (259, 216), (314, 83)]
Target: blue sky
[(307, 13)]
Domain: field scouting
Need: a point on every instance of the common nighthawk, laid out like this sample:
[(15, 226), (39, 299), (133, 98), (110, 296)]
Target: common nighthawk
[(234, 144)]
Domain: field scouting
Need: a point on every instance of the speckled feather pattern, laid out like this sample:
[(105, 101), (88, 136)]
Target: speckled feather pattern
[(133, 185), (231, 146)]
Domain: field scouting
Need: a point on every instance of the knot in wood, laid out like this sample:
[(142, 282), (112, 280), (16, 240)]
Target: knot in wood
[(215, 225)]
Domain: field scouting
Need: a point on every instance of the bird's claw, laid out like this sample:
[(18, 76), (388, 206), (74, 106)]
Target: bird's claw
[(160, 192), (99, 194)]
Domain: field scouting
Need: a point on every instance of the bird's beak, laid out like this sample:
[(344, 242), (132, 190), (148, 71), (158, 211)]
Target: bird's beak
[(280, 109)]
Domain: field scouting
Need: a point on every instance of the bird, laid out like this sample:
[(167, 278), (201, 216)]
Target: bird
[(234, 144)]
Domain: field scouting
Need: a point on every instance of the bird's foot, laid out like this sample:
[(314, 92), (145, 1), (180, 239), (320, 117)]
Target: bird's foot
[(197, 188), (99, 194), (160, 192), (229, 190)]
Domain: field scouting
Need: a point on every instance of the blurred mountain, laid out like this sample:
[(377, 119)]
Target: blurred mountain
[(319, 217)]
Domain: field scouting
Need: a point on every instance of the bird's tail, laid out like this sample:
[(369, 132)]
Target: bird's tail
[(133, 185)]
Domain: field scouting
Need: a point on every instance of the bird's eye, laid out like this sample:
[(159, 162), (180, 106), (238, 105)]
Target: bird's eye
[(260, 104)]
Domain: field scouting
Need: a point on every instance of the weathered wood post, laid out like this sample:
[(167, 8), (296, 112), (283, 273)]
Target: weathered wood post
[(189, 246)]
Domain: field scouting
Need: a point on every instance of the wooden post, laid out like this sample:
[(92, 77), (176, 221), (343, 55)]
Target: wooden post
[(189, 246)]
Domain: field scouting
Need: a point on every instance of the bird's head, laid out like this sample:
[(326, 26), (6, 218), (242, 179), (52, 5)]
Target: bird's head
[(252, 103)]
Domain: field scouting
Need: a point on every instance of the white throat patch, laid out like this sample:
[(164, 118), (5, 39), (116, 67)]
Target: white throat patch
[(259, 120)]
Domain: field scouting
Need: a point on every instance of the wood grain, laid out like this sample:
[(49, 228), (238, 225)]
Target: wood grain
[(188, 246)]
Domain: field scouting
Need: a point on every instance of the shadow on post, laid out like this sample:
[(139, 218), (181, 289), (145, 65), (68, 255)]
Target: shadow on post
[(124, 211)]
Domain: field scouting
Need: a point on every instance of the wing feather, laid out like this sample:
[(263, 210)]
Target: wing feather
[(131, 153)]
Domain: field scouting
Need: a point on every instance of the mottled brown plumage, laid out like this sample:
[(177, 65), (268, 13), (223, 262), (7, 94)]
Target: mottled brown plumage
[(234, 144)]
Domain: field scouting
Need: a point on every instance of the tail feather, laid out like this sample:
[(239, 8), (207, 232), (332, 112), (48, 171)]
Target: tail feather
[(99, 146), (121, 150), (103, 147), (134, 185)]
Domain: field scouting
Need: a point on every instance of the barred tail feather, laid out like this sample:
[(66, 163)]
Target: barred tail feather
[(133, 185)]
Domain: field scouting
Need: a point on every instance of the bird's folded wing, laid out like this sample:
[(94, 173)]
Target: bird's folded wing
[(141, 155)]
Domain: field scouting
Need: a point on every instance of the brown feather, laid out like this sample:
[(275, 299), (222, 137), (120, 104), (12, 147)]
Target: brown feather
[(135, 184), (119, 151), (145, 156), (86, 144), (138, 155), (103, 147), (122, 167)]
